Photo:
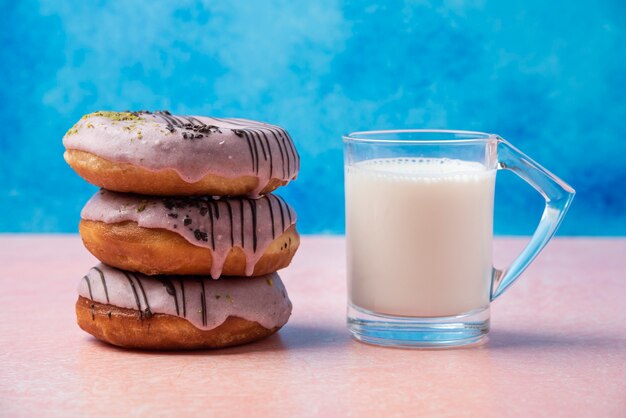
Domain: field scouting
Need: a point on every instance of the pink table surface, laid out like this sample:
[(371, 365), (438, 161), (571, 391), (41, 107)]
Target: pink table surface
[(557, 347)]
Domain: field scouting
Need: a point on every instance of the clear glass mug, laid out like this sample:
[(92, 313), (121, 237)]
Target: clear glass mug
[(419, 231)]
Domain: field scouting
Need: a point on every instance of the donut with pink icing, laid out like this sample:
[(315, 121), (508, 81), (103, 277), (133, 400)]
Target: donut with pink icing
[(179, 312), (158, 153), (233, 236)]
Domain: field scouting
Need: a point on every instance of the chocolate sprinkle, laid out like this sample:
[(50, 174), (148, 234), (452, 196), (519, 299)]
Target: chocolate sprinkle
[(264, 141), (201, 236)]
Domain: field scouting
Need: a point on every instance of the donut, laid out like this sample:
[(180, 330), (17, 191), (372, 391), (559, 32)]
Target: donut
[(157, 153), (179, 313), (190, 235)]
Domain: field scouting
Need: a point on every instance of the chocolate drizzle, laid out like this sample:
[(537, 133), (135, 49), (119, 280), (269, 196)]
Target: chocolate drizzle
[(255, 153), (210, 204), (281, 143), (292, 147), (267, 144), (248, 217), (132, 285), (217, 209), (144, 313), (203, 302), (171, 290), (104, 283), (254, 229), (230, 217), (257, 133), (182, 291), (161, 140), (282, 214), (88, 286), (282, 155), (269, 204), (210, 302), (217, 224), (287, 208), (194, 128), (243, 242), (147, 312), (267, 156), (166, 116), (257, 138)]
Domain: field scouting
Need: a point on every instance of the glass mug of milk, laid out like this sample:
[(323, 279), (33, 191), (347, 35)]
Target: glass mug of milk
[(419, 231)]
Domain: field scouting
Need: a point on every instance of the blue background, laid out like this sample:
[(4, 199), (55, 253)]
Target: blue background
[(548, 76)]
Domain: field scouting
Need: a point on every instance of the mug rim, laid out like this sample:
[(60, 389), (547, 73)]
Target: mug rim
[(465, 137)]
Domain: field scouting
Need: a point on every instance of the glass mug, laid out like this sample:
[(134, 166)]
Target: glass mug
[(419, 232)]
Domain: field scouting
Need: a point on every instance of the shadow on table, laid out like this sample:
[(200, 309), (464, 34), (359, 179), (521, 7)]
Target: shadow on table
[(510, 340), (292, 337), (302, 337)]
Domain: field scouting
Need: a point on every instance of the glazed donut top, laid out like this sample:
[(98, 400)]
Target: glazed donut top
[(204, 302), (193, 146), (250, 224)]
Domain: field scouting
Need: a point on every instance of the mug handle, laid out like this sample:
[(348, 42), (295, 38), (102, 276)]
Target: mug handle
[(558, 196)]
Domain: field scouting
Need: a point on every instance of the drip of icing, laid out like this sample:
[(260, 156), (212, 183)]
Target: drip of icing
[(250, 224), (203, 302), (193, 146)]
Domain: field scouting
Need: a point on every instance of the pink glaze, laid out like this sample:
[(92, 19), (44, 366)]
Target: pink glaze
[(204, 302), (193, 146), (220, 225)]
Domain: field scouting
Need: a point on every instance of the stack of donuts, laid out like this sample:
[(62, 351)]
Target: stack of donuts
[(186, 227)]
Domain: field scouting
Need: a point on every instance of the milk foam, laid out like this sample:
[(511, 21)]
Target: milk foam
[(422, 169)]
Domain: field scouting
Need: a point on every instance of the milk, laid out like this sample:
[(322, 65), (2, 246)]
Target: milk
[(419, 236)]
